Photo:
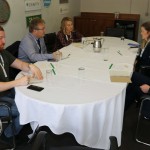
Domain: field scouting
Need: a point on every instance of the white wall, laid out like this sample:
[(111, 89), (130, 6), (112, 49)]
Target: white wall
[(122, 6), (16, 28)]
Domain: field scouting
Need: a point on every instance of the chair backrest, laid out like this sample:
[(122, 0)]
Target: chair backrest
[(114, 32), (13, 49), (50, 42)]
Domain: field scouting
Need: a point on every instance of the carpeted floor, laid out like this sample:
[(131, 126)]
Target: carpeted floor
[(129, 128)]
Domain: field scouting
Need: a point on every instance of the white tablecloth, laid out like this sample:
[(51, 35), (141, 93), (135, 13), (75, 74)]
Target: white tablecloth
[(83, 102)]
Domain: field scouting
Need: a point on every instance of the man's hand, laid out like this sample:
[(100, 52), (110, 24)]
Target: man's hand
[(57, 55), (36, 72), (22, 81)]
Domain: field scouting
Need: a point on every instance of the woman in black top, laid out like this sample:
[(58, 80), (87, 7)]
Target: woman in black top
[(144, 57)]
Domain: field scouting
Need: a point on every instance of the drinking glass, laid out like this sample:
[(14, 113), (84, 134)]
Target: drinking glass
[(81, 72), (84, 41), (122, 39), (102, 34), (48, 75), (105, 54)]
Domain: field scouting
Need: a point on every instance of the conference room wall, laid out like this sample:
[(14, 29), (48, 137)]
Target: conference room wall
[(123, 6), (16, 27)]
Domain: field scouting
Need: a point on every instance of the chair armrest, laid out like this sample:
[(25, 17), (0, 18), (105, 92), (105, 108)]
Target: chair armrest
[(5, 103), (145, 96)]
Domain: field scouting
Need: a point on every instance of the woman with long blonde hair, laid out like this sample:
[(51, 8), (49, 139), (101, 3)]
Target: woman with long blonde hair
[(67, 35)]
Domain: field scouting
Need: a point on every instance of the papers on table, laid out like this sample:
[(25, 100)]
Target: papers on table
[(120, 72), (34, 80)]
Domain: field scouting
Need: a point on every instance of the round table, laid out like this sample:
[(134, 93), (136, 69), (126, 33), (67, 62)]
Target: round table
[(78, 96)]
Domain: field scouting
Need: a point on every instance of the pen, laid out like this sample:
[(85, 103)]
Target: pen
[(54, 71), (133, 47), (110, 66), (52, 65), (119, 52), (66, 57)]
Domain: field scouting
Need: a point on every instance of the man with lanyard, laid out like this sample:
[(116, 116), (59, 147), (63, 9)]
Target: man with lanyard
[(32, 47), (7, 92)]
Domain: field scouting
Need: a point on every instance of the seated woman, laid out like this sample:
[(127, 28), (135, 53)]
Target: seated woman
[(140, 85), (144, 57), (67, 35)]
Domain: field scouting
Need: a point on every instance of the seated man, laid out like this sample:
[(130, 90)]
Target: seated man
[(6, 86), (32, 47), (140, 85)]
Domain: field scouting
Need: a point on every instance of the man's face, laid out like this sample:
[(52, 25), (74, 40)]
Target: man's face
[(2, 40), (40, 31)]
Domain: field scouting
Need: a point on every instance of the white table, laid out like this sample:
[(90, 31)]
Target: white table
[(85, 103)]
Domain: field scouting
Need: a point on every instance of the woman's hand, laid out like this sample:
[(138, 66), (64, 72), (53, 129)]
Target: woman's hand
[(145, 88)]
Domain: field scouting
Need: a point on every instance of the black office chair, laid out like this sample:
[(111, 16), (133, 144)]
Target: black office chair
[(142, 131), (50, 42), (13, 49), (115, 32), (4, 122), (43, 142)]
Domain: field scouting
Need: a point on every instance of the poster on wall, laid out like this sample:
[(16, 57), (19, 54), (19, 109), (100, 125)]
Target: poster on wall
[(63, 1), (31, 5), (63, 9), (47, 3), (30, 18)]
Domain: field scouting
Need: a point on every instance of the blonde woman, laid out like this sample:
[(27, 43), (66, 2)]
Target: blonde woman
[(67, 35)]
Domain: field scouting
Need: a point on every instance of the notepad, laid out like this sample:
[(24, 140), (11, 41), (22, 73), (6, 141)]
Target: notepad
[(34, 80), (120, 72)]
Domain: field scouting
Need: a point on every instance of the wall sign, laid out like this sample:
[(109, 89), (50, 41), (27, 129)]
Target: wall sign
[(4, 11), (63, 9), (63, 1), (29, 18), (47, 3), (32, 5)]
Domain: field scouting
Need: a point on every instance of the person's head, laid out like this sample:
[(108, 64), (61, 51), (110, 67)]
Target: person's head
[(37, 27), (66, 25), (145, 31), (2, 38)]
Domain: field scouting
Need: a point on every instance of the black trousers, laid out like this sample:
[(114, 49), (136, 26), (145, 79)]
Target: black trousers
[(133, 90)]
